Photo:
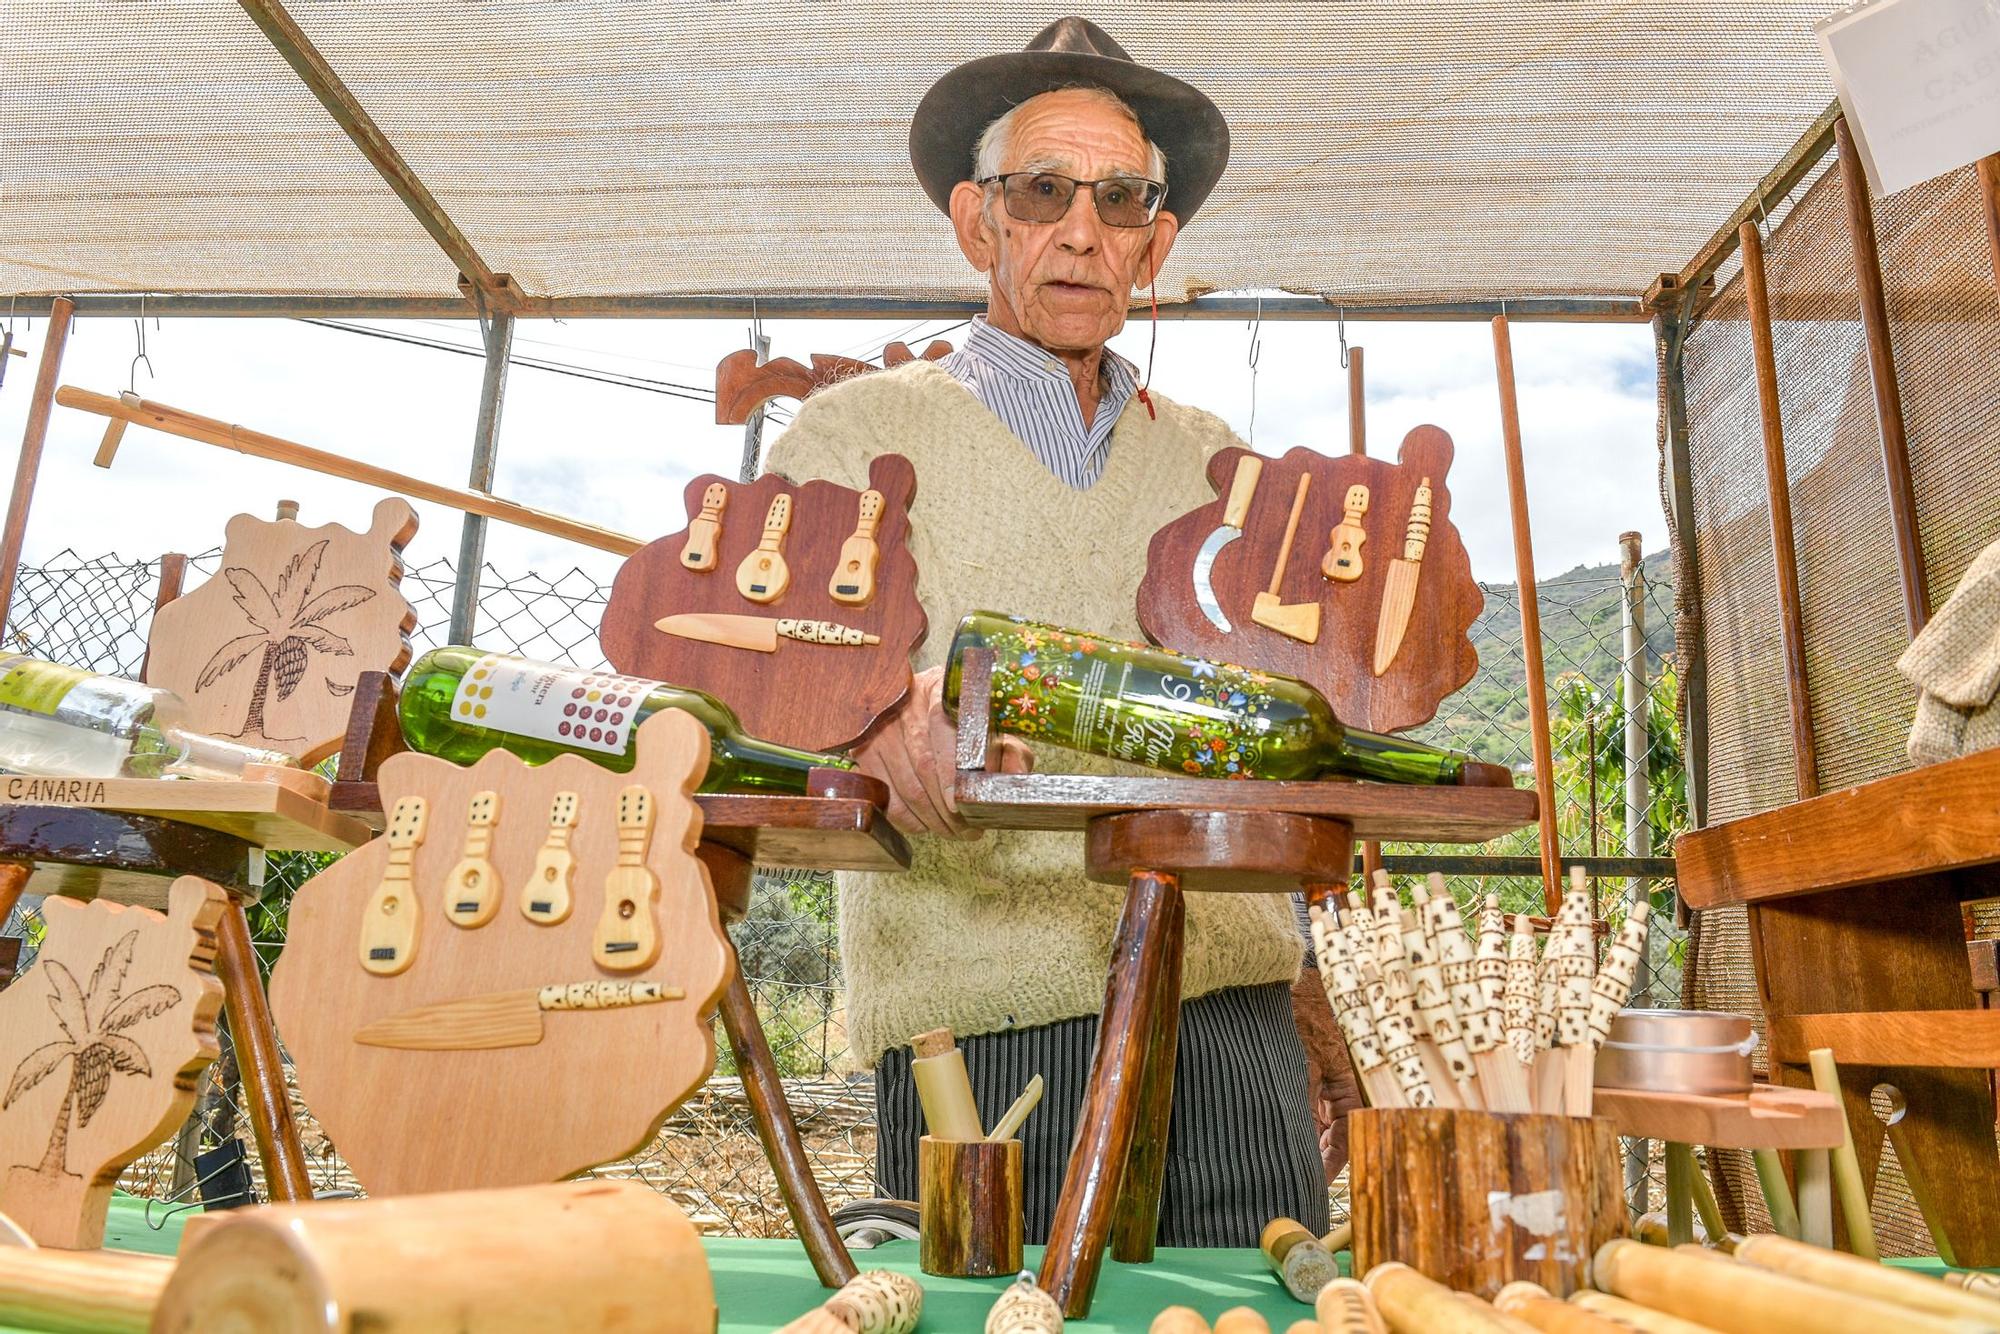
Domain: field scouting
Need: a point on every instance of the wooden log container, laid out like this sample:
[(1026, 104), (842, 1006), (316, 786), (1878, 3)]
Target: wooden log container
[(1478, 1200), (577, 1255), (969, 1207)]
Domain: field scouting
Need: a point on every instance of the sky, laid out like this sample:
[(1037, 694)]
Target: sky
[(619, 457)]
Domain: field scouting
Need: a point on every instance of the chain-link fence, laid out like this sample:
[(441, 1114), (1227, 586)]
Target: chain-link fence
[(96, 613)]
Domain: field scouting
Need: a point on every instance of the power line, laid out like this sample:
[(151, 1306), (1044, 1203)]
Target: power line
[(693, 393)]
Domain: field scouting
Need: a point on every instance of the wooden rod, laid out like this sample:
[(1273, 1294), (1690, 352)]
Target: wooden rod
[(209, 431), (257, 1059), (1531, 615), (173, 573), (1882, 370), (1989, 207), (1855, 1211), (29, 465), (1791, 617), (1357, 420)]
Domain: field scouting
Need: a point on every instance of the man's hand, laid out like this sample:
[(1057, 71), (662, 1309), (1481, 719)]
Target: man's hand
[(915, 752)]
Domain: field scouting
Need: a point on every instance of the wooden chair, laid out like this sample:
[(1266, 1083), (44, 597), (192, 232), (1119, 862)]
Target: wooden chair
[(1857, 932)]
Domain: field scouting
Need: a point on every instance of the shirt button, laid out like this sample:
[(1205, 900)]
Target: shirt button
[(1051, 367)]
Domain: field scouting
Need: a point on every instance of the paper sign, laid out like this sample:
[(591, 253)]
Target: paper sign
[(1920, 83)]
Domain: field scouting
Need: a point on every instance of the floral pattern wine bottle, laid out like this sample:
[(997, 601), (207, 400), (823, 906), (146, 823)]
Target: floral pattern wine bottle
[(1185, 715)]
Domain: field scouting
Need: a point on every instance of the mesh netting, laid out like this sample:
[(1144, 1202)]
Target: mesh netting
[(1947, 341), (1382, 149)]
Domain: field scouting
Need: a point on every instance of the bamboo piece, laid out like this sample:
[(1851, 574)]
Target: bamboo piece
[(1413, 1304), (1531, 612), (1738, 1298), (1855, 1212), (208, 431), (1913, 1174), (574, 1255), (1634, 1316), (1297, 1258), (1345, 1306), (1814, 1172), (1025, 1309), (28, 466), (1706, 1208), (1791, 618), (1242, 1320), (83, 1291), (1777, 1192), (1017, 1112), (1531, 1304), (1882, 373), (1680, 1192), (1344, 993), (943, 1088), (1847, 1273)]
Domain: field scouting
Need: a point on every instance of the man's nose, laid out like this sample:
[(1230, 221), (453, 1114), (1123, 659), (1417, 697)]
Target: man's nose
[(1080, 231)]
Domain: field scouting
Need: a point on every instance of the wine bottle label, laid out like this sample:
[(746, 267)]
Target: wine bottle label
[(34, 686), (588, 710)]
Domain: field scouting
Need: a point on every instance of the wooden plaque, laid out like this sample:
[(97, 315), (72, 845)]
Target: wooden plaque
[(816, 696), (599, 1081), (268, 651), (101, 1041), (1436, 656)]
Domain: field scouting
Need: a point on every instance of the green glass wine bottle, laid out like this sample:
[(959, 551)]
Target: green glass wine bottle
[(1188, 716), (458, 703)]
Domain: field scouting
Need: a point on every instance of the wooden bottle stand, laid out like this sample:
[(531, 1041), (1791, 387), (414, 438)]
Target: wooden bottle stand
[(1855, 919), (839, 826), (1159, 837)]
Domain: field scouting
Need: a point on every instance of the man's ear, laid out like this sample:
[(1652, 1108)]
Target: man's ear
[(1165, 228), (968, 220)]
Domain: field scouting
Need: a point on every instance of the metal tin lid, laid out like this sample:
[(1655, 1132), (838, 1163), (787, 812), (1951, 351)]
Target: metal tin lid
[(1686, 1030)]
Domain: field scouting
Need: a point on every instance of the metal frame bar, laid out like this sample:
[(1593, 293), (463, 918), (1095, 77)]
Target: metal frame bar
[(485, 445), (313, 70), (1670, 329), (1572, 310)]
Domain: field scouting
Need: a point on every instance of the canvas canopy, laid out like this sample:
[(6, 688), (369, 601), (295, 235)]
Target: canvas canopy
[(1385, 151)]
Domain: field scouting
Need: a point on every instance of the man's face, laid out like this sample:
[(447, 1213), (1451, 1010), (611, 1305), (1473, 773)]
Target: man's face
[(1063, 284)]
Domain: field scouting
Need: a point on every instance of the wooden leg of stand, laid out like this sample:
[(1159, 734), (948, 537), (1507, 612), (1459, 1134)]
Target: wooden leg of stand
[(1136, 1224), (780, 1133), (263, 1070), (1110, 1111)]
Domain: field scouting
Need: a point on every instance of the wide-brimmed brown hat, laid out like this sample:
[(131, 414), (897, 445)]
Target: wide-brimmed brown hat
[(1069, 53)]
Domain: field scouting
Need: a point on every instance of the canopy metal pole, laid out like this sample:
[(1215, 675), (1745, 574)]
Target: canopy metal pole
[(1670, 329), (1882, 371), (1638, 805), (753, 427), (485, 443), (29, 466)]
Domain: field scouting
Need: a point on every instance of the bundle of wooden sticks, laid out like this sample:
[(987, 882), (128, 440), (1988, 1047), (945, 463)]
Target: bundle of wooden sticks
[(1433, 1020)]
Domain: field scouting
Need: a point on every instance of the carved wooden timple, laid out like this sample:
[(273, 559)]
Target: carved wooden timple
[(101, 1041), (269, 650), (1436, 656), (816, 696), (600, 1081)]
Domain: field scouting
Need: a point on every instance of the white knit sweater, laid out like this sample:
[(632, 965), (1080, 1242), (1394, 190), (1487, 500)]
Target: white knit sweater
[(1005, 932)]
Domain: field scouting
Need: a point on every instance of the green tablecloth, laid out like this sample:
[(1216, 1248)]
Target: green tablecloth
[(762, 1285)]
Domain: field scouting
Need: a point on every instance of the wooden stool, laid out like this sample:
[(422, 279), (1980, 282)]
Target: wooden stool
[(1160, 837), (86, 852)]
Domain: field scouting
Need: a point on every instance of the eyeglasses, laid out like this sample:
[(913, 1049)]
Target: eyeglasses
[(1041, 196)]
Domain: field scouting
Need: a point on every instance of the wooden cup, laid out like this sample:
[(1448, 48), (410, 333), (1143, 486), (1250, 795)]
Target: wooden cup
[(1478, 1200), (969, 1207)]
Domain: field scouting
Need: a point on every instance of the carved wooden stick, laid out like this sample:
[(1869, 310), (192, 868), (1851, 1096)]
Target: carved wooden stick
[(1401, 990), (1522, 989), (1345, 994), (1434, 1003), (1501, 1078), (1575, 968)]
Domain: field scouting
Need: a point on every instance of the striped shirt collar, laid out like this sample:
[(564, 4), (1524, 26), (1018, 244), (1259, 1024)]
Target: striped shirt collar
[(1029, 389)]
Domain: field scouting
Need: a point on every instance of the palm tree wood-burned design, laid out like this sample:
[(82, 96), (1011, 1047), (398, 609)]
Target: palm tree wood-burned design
[(93, 1042), (287, 627)]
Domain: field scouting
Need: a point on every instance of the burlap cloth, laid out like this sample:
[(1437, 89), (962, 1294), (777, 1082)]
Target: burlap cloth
[(1955, 666)]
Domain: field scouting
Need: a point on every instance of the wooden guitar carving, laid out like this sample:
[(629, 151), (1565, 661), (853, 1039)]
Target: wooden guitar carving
[(472, 891), (1435, 657), (627, 940), (268, 651), (435, 1054), (545, 898), (819, 696), (393, 917), (101, 1042)]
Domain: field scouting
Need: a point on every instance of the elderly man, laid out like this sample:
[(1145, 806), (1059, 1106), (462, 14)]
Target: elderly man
[(1043, 465)]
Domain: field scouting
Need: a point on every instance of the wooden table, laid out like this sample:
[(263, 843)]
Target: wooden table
[(1855, 903), (1159, 837)]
